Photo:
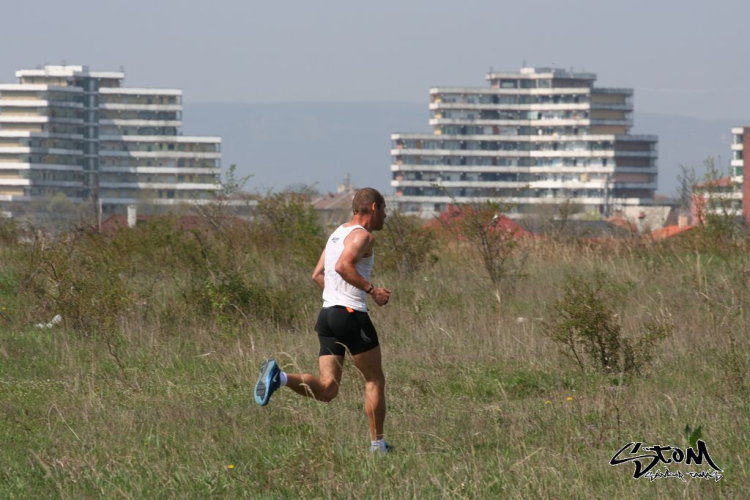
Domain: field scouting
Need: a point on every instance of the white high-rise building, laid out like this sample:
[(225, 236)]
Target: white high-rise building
[(730, 195), (538, 137), (740, 170), (65, 129)]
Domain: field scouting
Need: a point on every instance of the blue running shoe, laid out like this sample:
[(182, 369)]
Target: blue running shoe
[(268, 382), (378, 449)]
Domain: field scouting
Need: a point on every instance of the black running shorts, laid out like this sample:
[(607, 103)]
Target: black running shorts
[(340, 330)]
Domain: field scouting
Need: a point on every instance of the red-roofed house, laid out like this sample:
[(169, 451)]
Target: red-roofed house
[(454, 215), (666, 232)]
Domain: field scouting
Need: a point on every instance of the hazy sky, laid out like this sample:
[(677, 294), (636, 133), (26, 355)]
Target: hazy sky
[(682, 57)]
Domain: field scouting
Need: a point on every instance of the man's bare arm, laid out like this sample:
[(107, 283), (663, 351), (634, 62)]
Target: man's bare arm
[(318, 275), (356, 245)]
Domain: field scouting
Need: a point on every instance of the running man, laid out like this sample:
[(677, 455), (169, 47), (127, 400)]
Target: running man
[(343, 273)]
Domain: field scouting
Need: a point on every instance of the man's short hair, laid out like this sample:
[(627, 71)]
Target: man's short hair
[(364, 198)]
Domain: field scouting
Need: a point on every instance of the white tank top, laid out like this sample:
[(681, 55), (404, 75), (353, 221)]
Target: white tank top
[(338, 292)]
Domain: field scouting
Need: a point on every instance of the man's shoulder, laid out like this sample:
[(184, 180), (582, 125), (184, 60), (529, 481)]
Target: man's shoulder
[(360, 235), (355, 228)]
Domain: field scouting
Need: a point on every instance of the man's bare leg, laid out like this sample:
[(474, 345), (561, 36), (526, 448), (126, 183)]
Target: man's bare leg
[(370, 364), (324, 388)]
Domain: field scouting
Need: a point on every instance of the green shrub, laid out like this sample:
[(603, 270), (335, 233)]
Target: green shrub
[(288, 222), (9, 232), (81, 279), (405, 245), (588, 327), (234, 299)]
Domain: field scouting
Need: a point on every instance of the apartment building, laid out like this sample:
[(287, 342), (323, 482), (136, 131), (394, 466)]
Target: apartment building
[(741, 169), (66, 129), (542, 136), (730, 195)]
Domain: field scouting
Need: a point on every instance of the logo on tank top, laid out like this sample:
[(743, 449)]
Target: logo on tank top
[(336, 239)]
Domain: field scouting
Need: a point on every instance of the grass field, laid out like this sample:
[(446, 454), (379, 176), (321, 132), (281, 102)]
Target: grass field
[(157, 402)]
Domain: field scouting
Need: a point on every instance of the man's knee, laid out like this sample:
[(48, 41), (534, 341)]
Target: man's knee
[(377, 381), (330, 391)]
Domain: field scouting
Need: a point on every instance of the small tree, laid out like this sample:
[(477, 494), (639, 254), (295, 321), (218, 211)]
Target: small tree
[(717, 210), (586, 325), (488, 231), (216, 211), (686, 182), (61, 204)]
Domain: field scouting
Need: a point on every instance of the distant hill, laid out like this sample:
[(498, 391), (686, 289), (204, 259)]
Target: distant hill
[(288, 144), (292, 143), (686, 141)]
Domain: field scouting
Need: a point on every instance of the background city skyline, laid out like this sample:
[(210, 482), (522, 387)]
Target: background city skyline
[(681, 59)]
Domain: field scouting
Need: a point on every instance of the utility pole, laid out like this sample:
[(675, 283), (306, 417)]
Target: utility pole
[(606, 196)]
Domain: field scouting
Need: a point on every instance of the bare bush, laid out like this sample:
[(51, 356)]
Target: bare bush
[(588, 327), (497, 242)]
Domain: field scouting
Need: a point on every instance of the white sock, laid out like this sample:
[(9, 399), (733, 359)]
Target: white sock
[(282, 378), (380, 444)]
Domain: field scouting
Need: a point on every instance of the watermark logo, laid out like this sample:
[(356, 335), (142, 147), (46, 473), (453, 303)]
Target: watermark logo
[(646, 458)]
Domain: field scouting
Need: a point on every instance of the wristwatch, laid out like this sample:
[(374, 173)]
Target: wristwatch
[(372, 287)]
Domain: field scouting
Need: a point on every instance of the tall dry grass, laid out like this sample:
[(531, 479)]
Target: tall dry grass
[(149, 395)]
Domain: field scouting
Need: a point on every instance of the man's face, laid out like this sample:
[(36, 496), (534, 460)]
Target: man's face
[(379, 216)]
